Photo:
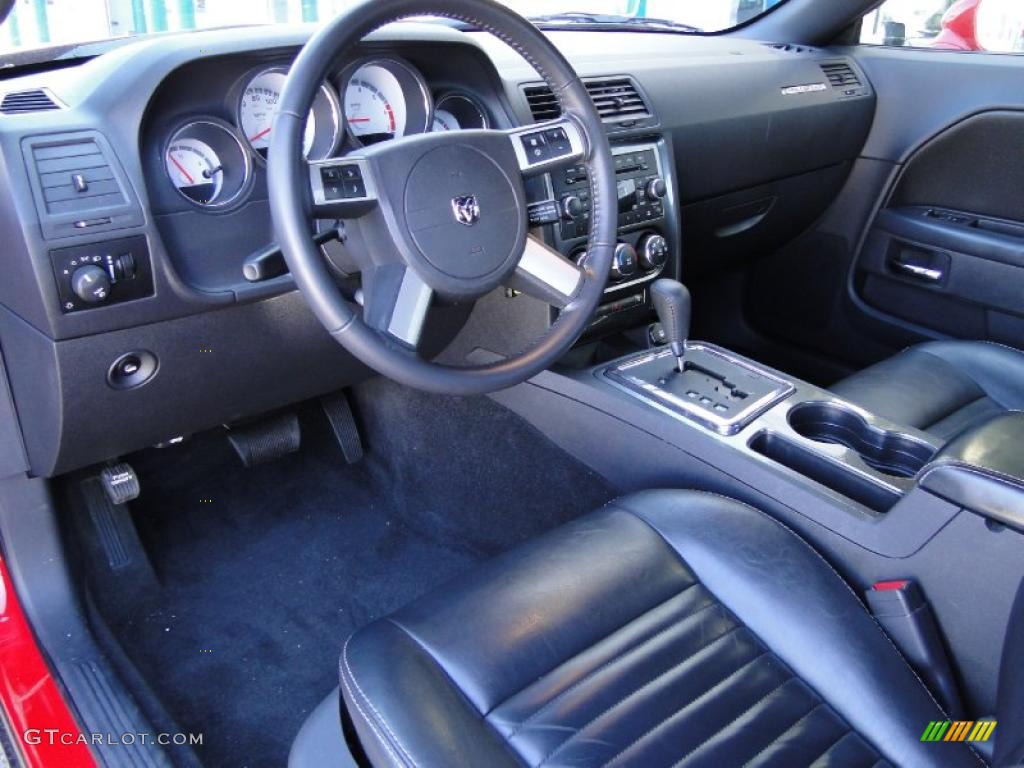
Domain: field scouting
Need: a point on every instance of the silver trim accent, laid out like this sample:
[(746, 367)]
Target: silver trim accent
[(917, 271), (686, 410), (410, 310), (317, 183), (576, 145), (550, 267)]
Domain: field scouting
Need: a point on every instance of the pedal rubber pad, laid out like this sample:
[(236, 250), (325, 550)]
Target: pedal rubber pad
[(120, 483), (343, 423), (266, 440)]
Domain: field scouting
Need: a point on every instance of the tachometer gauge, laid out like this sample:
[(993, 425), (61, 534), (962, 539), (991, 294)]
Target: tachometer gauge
[(207, 164), (385, 99), (258, 105), (445, 121), (457, 111), (196, 170)]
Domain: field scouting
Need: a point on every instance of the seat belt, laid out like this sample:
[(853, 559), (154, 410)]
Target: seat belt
[(901, 609)]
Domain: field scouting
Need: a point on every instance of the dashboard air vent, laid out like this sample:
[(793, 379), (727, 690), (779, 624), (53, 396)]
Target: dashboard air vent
[(841, 75), (616, 98), (76, 178), (22, 102)]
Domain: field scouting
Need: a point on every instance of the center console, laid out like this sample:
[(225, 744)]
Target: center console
[(648, 219)]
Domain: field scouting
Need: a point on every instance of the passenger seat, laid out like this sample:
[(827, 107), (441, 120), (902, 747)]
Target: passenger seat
[(941, 387)]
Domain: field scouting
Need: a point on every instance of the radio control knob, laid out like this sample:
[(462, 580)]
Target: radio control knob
[(657, 189), (91, 284), (653, 251), (572, 207), (624, 264)]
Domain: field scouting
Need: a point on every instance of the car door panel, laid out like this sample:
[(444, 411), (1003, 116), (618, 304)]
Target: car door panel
[(946, 250)]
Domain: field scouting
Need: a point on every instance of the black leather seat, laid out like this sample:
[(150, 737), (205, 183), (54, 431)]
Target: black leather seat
[(668, 629), (941, 387)]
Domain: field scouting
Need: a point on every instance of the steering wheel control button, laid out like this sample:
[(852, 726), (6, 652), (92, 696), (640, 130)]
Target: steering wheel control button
[(558, 142), (132, 370), (536, 147)]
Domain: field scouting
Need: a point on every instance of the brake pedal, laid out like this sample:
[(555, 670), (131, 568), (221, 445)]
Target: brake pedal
[(120, 483), (343, 423), (267, 440)]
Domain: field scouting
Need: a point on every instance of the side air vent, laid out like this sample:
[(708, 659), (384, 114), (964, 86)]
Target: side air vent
[(23, 102), (841, 75), (616, 98), (76, 178)]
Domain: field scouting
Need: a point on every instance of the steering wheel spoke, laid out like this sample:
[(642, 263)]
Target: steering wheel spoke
[(396, 302), (544, 146), (546, 274), (343, 188)]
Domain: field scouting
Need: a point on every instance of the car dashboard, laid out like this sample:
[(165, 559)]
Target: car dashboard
[(131, 313)]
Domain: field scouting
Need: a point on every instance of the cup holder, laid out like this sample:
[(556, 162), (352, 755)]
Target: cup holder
[(890, 453)]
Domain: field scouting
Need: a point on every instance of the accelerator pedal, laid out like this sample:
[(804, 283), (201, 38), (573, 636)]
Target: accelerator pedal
[(343, 423), (105, 498), (267, 440)]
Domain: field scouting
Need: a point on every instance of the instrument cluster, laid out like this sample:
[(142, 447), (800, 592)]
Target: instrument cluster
[(210, 161)]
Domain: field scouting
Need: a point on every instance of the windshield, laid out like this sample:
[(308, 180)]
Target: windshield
[(40, 23)]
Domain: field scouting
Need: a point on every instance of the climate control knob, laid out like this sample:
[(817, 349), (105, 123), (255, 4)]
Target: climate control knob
[(653, 250), (91, 284), (572, 207), (625, 262), (657, 189)]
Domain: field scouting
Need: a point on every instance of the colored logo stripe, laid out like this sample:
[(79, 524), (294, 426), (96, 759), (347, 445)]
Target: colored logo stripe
[(960, 730)]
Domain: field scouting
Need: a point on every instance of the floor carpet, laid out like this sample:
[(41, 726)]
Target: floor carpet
[(260, 574)]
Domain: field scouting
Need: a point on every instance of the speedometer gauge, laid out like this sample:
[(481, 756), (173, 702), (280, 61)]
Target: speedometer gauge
[(385, 99), (258, 105)]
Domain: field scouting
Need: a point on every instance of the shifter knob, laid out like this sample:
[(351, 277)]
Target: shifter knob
[(672, 303)]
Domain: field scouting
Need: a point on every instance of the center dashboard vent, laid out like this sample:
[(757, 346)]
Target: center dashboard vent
[(841, 75), (617, 100), (23, 102)]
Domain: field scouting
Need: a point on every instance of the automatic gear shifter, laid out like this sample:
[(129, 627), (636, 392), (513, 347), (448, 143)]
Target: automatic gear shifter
[(672, 303)]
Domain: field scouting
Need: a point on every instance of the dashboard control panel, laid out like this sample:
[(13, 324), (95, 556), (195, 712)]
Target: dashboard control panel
[(102, 274)]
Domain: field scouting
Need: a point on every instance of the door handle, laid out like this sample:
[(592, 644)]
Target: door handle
[(917, 271)]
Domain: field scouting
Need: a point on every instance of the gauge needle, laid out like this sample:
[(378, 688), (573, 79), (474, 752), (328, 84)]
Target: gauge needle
[(359, 119), (181, 168), (261, 134), (212, 172)]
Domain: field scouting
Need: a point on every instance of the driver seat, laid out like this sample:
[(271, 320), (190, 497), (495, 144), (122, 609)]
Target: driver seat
[(670, 628)]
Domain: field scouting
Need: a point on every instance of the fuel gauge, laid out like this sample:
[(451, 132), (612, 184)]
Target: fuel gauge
[(207, 164)]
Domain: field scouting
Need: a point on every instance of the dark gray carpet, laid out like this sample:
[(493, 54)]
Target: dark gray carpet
[(262, 573)]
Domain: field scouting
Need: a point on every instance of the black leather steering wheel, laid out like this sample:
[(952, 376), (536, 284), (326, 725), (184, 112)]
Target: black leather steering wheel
[(440, 213)]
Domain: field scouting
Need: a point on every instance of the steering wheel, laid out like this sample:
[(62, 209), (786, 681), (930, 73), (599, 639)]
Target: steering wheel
[(440, 213)]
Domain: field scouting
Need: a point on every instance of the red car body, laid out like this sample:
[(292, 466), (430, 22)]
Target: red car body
[(959, 29)]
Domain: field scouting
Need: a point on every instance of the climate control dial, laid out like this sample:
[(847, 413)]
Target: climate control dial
[(653, 250), (625, 262)]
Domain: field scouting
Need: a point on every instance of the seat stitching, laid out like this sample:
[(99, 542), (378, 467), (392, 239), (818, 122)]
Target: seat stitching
[(639, 690), (675, 713), (732, 722), (782, 735), (348, 669), (369, 721), (615, 659), (835, 573)]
